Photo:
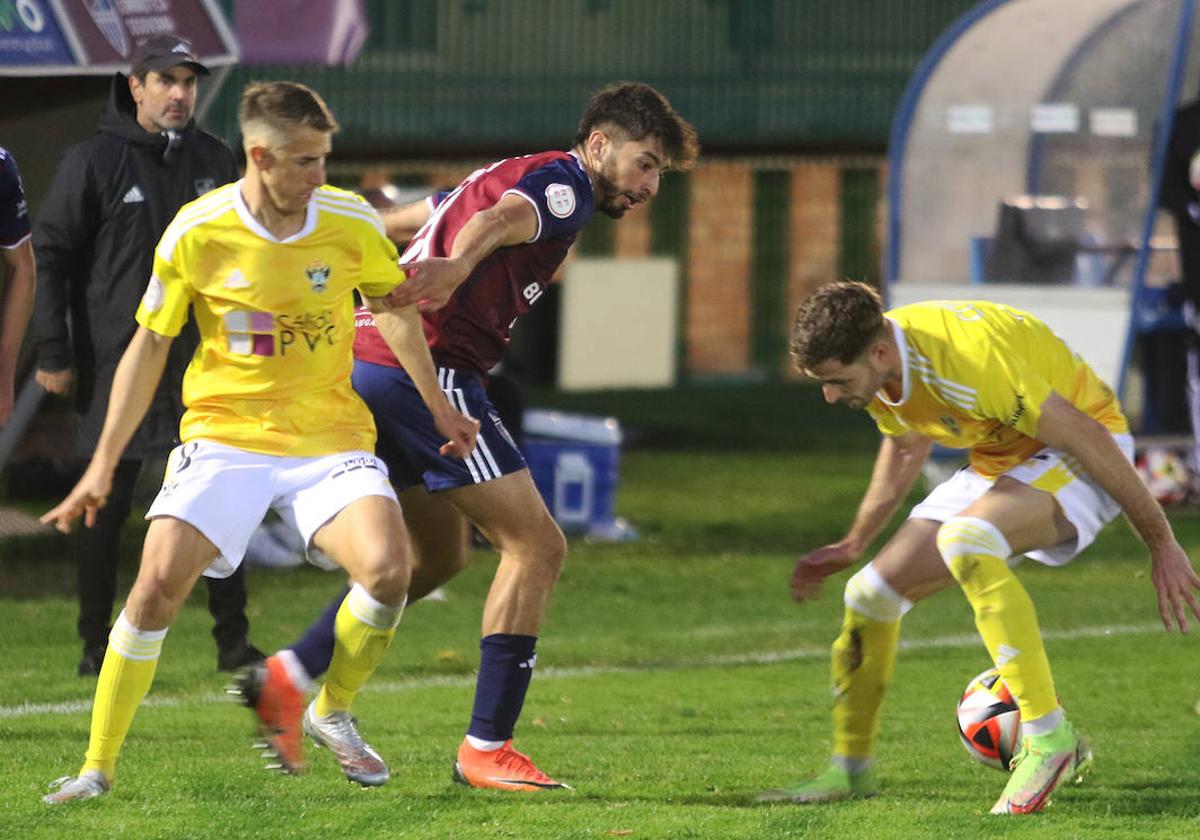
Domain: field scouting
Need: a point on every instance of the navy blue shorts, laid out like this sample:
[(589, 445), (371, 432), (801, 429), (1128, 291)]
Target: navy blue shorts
[(409, 442)]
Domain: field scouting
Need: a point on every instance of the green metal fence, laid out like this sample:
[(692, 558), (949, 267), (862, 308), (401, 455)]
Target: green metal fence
[(769, 266), (768, 82), (859, 251), (451, 77)]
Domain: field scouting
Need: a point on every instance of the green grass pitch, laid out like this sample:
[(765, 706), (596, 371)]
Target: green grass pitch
[(675, 680)]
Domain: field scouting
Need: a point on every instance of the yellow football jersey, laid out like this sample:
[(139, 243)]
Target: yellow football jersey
[(276, 320), (976, 375)]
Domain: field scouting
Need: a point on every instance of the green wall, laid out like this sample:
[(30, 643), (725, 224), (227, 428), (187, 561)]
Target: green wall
[(447, 77)]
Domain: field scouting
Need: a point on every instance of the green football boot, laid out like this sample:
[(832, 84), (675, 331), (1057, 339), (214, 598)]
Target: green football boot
[(832, 785), (1044, 762)]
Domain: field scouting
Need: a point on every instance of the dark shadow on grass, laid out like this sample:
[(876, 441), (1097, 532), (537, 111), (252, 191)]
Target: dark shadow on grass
[(1159, 798), (578, 798)]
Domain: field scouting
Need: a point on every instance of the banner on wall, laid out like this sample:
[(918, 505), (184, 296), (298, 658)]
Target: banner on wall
[(97, 37), (301, 32)]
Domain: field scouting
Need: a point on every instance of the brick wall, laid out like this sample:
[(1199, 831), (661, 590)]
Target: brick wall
[(815, 227), (718, 271), (632, 239)]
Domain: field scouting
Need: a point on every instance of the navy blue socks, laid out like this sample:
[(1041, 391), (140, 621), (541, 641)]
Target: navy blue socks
[(505, 667)]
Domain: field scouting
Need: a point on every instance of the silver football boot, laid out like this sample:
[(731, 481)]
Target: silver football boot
[(338, 732)]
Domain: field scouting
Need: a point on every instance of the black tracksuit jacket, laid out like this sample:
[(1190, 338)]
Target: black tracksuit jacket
[(112, 197)]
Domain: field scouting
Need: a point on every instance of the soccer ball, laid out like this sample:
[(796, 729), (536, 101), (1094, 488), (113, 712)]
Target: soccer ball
[(989, 722), (1165, 475)]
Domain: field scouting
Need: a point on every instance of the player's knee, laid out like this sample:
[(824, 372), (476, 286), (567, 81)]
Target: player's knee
[(549, 551), (962, 539), (155, 599), (868, 594), (386, 577), (556, 551), (540, 546)]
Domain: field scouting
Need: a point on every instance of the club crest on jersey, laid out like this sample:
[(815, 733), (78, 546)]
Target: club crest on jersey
[(205, 185), (318, 275), (560, 200), (951, 424)]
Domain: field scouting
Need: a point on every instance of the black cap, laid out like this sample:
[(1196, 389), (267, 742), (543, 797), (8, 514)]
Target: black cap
[(162, 52)]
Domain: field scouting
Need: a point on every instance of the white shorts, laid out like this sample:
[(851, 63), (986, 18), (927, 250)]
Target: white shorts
[(1085, 504), (224, 492)]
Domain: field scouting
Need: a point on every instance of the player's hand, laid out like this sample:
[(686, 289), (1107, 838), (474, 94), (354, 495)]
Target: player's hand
[(86, 498), (460, 431), (1176, 583), (57, 382), (812, 569), (430, 283)]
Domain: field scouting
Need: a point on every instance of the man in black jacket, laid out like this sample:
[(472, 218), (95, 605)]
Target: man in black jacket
[(1180, 194), (112, 197)]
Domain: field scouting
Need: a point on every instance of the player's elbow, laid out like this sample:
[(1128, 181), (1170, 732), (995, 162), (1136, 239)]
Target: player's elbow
[(915, 446), (388, 304), (1068, 429)]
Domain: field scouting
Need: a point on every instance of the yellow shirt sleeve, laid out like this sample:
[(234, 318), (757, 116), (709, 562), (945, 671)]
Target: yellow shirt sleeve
[(381, 270), (164, 306), (1013, 394)]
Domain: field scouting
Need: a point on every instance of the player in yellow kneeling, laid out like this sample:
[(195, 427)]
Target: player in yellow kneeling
[(1049, 466)]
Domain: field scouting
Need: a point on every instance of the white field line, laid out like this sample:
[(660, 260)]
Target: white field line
[(960, 640)]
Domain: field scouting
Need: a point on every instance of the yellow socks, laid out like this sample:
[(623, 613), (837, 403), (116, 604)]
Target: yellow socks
[(125, 677), (864, 657), (976, 553), (363, 629)]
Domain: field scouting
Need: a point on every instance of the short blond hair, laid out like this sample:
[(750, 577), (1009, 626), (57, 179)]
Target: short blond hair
[(273, 110)]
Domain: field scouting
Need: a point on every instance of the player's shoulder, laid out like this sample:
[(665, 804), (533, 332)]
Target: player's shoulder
[(346, 207), (557, 185), (919, 313), (539, 166), (195, 216), (950, 311), (553, 157), (200, 209), (8, 168), (555, 163), (935, 335)]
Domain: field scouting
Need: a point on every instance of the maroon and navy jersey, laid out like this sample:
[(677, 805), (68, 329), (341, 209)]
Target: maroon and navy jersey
[(471, 331), (14, 215)]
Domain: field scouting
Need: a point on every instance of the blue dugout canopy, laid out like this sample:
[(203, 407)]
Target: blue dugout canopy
[(1025, 159)]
